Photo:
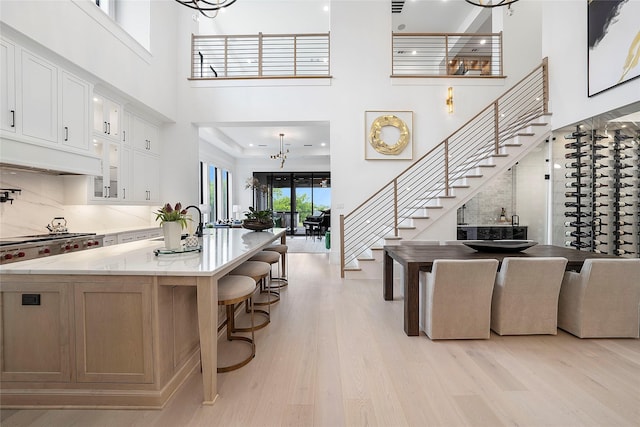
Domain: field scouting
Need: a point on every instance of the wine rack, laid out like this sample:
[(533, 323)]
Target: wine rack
[(578, 220), (602, 198)]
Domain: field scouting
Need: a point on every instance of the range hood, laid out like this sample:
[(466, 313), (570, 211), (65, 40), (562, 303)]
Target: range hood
[(50, 160)]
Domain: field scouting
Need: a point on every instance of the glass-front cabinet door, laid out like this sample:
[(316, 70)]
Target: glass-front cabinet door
[(106, 186)]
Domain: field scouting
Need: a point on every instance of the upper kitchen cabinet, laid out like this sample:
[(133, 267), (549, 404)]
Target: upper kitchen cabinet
[(145, 136), (106, 117), (74, 108), (7, 86), (37, 115)]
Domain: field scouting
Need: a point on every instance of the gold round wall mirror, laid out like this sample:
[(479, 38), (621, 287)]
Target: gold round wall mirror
[(379, 144)]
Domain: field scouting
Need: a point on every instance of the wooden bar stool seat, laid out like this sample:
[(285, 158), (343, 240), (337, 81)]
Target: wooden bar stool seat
[(233, 290), (284, 272), (259, 272)]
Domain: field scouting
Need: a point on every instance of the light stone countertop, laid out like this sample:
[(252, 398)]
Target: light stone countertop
[(220, 246)]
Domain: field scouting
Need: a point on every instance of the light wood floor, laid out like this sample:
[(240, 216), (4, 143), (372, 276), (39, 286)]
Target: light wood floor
[(335, 354)]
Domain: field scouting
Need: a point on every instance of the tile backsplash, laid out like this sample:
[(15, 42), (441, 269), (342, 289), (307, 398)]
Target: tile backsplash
[(42, 198)]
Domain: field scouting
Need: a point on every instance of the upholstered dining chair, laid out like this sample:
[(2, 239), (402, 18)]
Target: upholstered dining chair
[(525, 296), (455, 299), (602, 300)]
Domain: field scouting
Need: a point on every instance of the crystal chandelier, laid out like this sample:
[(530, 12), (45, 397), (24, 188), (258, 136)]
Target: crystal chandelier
[(282, 155), (208, 8)]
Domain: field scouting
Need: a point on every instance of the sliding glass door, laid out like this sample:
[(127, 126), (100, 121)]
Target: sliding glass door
[(294, 195)]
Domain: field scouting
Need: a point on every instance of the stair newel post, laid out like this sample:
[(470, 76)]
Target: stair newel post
[(395, 206), (446, 167), (342, 246), (545, 85), (496, 130)]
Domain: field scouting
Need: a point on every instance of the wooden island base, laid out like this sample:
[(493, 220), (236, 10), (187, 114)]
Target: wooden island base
[(96, 340)]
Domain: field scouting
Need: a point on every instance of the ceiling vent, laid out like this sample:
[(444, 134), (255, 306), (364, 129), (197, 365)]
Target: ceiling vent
[(396, 6)]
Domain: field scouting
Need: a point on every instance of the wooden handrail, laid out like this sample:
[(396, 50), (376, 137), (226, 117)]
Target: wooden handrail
[(463, 149)]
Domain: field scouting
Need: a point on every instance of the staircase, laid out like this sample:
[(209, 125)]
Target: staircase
[(449, 174)]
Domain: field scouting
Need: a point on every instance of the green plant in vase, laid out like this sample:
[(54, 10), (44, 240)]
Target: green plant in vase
[(257, 220)]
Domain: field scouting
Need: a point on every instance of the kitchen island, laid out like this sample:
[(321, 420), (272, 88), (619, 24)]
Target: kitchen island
[(117, 326)]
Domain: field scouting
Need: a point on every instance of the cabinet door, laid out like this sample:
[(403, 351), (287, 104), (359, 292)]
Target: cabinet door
[(125, 174), (7, 87), (39, 98), (113, 329), (145, 173), (75, 112), (35, 335), (106, 117), (106, 185), (145, 136)]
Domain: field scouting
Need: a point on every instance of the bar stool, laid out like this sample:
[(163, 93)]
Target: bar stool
[(284, 273), (271, 258), (258, 271), (232, 290)]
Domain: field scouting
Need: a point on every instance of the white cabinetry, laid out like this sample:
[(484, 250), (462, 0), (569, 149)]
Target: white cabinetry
[(106, 117), (106, 186), (7, 86), (145, 174), (74, 108), (38, 112), (145, 136)]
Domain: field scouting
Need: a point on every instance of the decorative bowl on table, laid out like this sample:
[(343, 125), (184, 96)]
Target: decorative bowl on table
[(500, 245), (256, 225)]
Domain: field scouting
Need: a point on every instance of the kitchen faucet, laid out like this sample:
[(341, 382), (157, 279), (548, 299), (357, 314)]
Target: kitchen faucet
[(200, 225)]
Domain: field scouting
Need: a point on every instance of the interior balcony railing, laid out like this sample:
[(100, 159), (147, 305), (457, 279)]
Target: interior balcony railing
[(260, 56), (436, 173), (447, 55)]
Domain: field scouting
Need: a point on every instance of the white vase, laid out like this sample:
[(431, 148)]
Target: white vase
[(172, 235)]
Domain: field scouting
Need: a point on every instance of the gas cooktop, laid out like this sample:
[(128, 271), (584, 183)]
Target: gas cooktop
[(41, 238)]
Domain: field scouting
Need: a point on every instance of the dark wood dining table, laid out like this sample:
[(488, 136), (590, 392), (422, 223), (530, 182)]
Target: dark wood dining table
[(416, 258)]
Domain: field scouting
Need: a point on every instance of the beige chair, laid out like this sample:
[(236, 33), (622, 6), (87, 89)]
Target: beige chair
[(271, 258), (602, 300), (259, 273), (525, 296), (283, 269), (455, 299)]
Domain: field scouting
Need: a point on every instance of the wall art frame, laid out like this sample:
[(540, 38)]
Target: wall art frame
[(388, 135), (613, 44)]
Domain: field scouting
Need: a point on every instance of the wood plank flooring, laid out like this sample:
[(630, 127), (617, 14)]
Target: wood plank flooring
[(335, 354)]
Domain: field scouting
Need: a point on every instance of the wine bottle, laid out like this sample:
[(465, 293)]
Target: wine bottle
[(622, 165), (600, 175), (575, 165), (574, 174), (576, 144), (624, 242), (576, 244), (626, 195), (622, 185), (597, 204), (598, 213), (600, 242), (599, 185), (577, 224), (599, 233), (597, 137), (599, 194), (599, 147), (621, 204), (622, 252), (575, 155), (623, 146), (622, 223), (598, 251), (599, 166), (624, 213), (623, 233), (575, 184), (577, 234), (574, 205), (576, 214), (622, 175), (621, 156)]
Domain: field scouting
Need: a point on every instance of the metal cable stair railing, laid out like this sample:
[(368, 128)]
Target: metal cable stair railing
[(444, 167)]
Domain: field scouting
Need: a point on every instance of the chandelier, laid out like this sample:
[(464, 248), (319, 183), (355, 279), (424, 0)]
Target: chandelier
[(207, 6), (282, 155), (491, 3)]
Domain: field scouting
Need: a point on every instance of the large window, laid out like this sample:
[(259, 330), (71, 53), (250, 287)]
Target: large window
[(216, 185), (294, 196), (133, 16)]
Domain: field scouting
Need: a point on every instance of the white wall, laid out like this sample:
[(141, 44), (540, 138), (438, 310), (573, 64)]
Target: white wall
[(564, 41)]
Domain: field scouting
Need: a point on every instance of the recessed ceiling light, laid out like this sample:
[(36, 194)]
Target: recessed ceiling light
[(326, 8), (323, 144), (483, 41), (250, 145)]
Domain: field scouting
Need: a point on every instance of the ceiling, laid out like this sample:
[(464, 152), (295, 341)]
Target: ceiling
[(308, 139)]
